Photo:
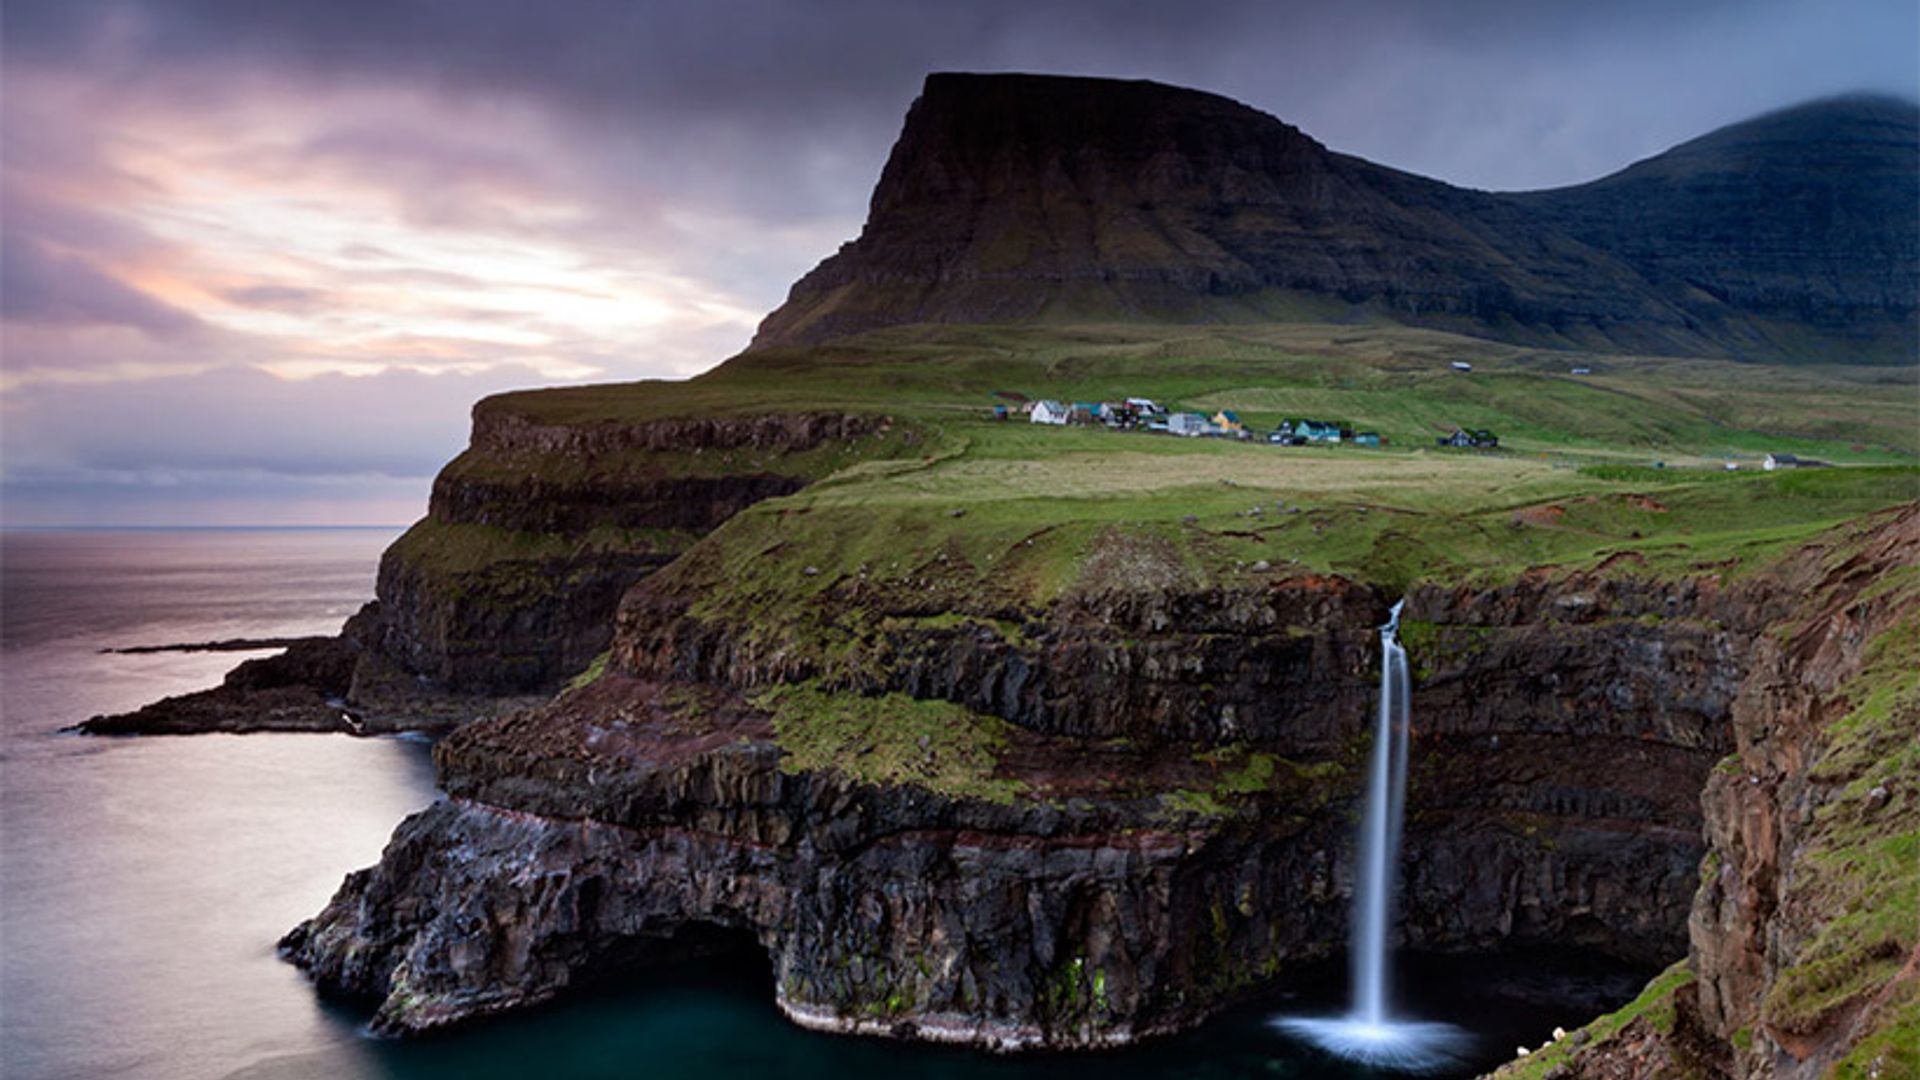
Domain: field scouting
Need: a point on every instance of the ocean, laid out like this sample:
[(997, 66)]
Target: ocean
[(144, 881)]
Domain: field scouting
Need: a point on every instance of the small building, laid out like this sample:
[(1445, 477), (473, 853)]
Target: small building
[(1084, 412), (1583, 371), (1461, 365), (1286, 437), (1788, 461), (1048, 412), (1145, 406), (1228, 420), (1317, 431), (999, 412), (1189, 424), (1367, 438), (1477, 439)]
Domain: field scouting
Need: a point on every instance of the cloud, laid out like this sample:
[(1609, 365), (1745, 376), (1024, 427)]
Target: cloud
[(281, 297), (310, 232), (234, 436), (46, 287)]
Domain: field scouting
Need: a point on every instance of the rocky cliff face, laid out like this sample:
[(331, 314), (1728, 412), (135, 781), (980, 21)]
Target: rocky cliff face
[(1123, 811), (509, 585), (1804, 936), (534, 533), (1806, 930), (1018, 198)]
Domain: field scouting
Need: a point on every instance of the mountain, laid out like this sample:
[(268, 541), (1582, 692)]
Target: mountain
[(1012, 198), (1807, 217)]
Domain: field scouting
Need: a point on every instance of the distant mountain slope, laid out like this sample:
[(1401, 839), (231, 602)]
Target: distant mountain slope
[(1042, 198), (1809, 216)]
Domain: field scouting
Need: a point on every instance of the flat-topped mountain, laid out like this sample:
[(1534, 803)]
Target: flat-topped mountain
[(1014, 198)]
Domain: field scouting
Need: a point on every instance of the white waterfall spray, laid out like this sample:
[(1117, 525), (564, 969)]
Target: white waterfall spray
[(1368, 1032)]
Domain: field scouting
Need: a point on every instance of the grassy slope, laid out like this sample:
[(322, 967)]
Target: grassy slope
[(1016, 515), (1394, 380), (1040, 503)]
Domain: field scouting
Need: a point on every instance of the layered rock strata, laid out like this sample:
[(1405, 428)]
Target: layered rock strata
[(1119, 870), (1803, 954)]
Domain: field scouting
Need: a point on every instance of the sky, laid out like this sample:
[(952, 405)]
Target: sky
[(259, 257)]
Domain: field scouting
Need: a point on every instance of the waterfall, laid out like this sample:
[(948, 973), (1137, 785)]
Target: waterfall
[(1380, 831), (1368, 1032)]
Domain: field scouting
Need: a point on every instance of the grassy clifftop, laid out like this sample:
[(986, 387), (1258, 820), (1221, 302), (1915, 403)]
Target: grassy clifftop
[(908, 480), (1390, 379)]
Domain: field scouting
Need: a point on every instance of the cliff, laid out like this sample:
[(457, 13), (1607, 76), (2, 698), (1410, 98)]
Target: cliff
[(931, 835), (1023, 198), (1804, 937), (508, 586), (533, 534)]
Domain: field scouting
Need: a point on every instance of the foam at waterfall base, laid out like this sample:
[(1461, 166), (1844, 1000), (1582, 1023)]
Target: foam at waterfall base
[(1410, 1046)]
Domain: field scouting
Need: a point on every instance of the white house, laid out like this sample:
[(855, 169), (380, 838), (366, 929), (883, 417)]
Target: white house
[(1189, 423), (1048, 412), (1462, 365), (1145, 406)]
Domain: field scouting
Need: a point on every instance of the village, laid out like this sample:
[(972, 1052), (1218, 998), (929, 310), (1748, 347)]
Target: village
[(1136, 414)]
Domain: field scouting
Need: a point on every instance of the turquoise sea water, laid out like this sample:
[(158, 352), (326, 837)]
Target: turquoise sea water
[(143, 882)]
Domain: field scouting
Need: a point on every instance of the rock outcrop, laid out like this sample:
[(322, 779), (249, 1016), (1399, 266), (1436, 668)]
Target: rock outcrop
[(300, 689), (1013, 198)]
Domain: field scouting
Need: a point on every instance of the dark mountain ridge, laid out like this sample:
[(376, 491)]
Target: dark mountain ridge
[(1012, 198)]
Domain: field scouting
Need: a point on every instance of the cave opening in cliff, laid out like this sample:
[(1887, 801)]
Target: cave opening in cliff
[(710, 953)]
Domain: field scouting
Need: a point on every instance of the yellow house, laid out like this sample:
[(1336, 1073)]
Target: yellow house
[(1228, 421)]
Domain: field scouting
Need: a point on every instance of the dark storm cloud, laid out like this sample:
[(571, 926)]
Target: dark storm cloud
[(733, 95)]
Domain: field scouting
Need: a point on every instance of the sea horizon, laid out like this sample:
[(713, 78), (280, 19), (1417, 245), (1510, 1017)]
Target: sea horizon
[(195, 528)]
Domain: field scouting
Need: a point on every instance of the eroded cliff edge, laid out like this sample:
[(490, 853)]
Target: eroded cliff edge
[(1078, 824), (1804, 937)]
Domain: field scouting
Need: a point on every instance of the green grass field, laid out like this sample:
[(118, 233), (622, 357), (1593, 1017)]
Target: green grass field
[(1623, 467), (1393, 380)]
